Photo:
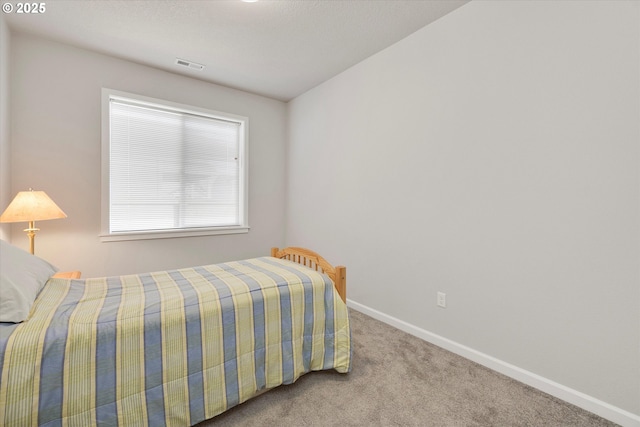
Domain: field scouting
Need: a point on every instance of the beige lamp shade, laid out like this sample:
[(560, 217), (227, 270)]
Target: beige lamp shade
[(31, 206)]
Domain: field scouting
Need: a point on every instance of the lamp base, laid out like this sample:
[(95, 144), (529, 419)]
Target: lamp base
[(31, 232)]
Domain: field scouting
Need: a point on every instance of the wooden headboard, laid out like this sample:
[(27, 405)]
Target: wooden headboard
[(314, 261)]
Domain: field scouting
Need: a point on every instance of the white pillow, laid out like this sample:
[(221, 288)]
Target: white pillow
[(22, 276)]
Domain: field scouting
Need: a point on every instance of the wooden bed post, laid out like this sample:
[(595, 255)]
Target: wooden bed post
[(341, 282)]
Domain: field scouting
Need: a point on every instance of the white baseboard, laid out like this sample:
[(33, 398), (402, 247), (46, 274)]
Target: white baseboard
[(584, 401)]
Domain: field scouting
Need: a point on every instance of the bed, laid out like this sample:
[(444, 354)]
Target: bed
[(172, 347)]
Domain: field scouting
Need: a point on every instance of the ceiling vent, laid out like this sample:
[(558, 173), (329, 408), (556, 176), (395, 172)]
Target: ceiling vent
[(189, 64)]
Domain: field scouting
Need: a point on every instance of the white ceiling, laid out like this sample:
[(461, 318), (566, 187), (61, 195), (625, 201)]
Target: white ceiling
[(279, 49)]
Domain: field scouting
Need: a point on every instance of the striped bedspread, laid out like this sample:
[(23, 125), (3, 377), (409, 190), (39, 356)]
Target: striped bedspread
[(168, 348)]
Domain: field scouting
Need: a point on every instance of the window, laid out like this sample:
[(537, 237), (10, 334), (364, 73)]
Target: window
[(171, 170)]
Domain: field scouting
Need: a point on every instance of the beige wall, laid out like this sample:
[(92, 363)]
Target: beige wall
[(5, 131), (492, 155), (56, 146)]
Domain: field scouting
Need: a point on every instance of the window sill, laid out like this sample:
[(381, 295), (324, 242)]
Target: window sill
[(172, 234)]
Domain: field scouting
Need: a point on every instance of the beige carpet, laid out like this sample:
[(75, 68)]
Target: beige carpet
[(400, 380)]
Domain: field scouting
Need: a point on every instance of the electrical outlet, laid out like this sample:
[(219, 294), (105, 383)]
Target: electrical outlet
[(442, 300)]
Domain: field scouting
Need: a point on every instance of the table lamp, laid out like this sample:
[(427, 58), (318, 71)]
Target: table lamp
[(31, 206)]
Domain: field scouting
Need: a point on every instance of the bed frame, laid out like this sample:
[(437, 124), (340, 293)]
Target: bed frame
[(47, 355), (314, 261)]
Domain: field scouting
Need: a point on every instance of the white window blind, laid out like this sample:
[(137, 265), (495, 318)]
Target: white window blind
[(172, 169)]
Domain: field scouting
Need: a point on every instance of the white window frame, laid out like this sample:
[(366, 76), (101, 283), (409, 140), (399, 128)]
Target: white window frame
[(106, 235)]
